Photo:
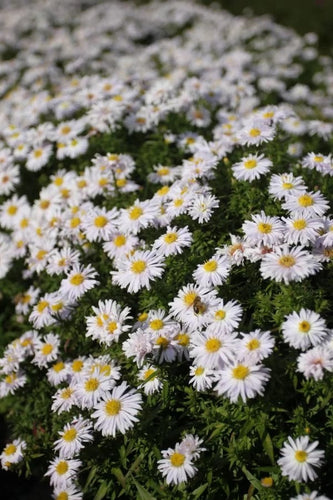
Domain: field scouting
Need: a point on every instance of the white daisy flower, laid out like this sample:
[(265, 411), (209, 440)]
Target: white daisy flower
[(64, 399), (138, 345), (256, 132), (213, 272), (173, 241), (285, 184), (242, 378), (224, 316), (288, 264), (57, 373), (302, 230), (306, 203), (120, 244), (299, 457), (108, 323), (314, 495), (46, 350), (92, 387), (304, 329), (315, 361), (117, 411), (69, 492), (151, 382), (139, 216), (202, 206), (255, 346), (263, 229), (175, 466), (213, 350), (251, 167), (99, 224), (12, 453), (73, 436), (138, 270), (38, 158), (11, 382), (79, 280), (63, 471), (202, 378)]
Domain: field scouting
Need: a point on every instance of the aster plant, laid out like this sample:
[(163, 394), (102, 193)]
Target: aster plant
[(166, 243)]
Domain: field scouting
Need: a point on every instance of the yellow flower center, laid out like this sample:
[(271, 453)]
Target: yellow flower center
[(121, 182), (143, 316), (65, 129), (113, 407), (81, 183), (250, 164), (44, 204), (41, 254), (199, 371), (57, 367), (253, 344), (119, 240), (24, 223), (9, 379), (299, 224), (163, 171), (103, 181), (12, 209), (254, 132), (42, 305), (38, 153), (240, 372), (267, 482), (77, 365), (112, 326), (163, 190), (162, 342), (100, 221), (10, 449), (210, 266), (69, 435), (189, 298), (177, 459), (301, 456), (77, 279), (178, 202), (91, 385), (170, 238), (149, 372), (62, 496), (135, 213), (61, 467), (287, 261), (26, 298), (183, 339), (156, 324), (47, 349), (304, 326), (264, 227), (66, 393), (213, 345), (75, 221), (138, 266), (318, 159), (287, 185), (58, 181), (305, 200), (220, 314), (268, 114)]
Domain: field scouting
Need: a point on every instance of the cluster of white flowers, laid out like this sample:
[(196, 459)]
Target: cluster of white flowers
[(51, 118)]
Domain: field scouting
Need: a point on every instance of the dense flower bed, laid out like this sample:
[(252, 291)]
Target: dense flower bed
[(165, 252)]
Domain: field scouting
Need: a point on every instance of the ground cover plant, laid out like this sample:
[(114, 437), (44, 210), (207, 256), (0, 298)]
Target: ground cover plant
[(165, 253)]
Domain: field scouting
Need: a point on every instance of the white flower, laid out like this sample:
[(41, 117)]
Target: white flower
[(73, 436), (79, 280), (12, 453), (288, 264), (299, 457), (202, 207), (173, 241), (306, 203), (264, 230), (138, 345), (212, 350), (202, 377), (99, 224), (138, 270), (151, 382), (46, 350), (213, 272), (242, 378), (175, 466), (62, 471), (255, 346), (304, 329), (315, 361), (251, 167), (117, 411)]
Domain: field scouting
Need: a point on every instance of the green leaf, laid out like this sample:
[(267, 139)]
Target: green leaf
[(102, 491), (90, 477), (253, 480), (268, 447), (198, 491), (120, 476), (143, 494)]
